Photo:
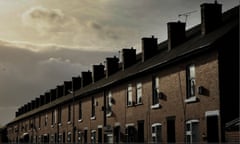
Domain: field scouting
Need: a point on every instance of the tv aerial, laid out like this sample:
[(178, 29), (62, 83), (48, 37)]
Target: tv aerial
[(186, 15)]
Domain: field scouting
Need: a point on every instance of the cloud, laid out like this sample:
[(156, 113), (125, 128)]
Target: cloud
[(48, 20)]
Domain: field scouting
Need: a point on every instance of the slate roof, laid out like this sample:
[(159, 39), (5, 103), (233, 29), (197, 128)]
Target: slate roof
[(194, 44)]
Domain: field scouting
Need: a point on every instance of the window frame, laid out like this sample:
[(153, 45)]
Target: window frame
[(156, 136), (130, 95), (155, 92), (109, 104), (191, 83), (139, 93), (190, 131)]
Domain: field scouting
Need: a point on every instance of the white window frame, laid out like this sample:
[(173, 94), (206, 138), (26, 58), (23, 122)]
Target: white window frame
[(191, 76), (139, 93), (190, 131), (154, 134), (130, 95), (156, 88)]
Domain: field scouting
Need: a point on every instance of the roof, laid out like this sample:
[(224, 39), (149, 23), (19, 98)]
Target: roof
[(194, 44)]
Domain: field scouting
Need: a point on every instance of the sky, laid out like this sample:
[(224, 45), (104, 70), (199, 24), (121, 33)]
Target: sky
[(46, 42)]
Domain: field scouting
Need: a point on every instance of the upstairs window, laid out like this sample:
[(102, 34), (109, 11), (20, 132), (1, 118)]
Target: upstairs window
[(109, 104), (155, 91), (69, 113), (190, 75), (139, 93), (80, 110), (59, 115), (129, 95), (93, 108)]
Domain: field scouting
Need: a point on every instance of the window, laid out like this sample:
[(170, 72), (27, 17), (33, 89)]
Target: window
[(93, 137), (190, 72), (69, 113), (192, 131), (46, 119), (79, 137), (80, 110), (109, 104), (59, 115), (52, 117), (39, 121), (139, 93), (157, 133), (155, 92), (93, 108), (69, 137), (130, 133), (129, 95)]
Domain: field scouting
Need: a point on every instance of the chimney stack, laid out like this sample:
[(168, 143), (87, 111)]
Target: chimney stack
[(53, 94), (111, 66), (67, 87), (176, 34), (76, 83), (29, 106), (211, 17), (86, 78), (128, 57), (47, 97), (149, 48), (37, 102), (42, 100), (98, 72), (33, 103), (60, 91)]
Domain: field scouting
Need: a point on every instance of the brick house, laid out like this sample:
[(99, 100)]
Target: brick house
[(184, 89)]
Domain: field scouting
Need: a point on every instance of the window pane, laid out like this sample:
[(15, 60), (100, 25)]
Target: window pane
[(195, 132)]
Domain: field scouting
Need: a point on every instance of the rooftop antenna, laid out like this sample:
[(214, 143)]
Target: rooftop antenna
[(186, 15)]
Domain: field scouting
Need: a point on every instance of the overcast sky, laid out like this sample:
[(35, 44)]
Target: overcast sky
[(45, 42)]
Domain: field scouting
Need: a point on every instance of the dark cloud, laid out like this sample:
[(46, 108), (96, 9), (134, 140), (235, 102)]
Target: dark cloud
[(26, 74)]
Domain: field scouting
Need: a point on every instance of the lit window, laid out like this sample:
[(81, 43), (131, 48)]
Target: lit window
[(139, 93), (129, 95), (157, 133), (192, 131)]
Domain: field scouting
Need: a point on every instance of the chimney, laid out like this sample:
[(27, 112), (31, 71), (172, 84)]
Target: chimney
[(25, 108), (47, 97), (37, 102), (111, 66), (211, 17), (22, 110), (128, 57), (33, 103), (60, 91), (53, 94), (17, 114), (42, 100), (67, 87), (176, 34), (86, 78), (98, 72), (149, 48), (29, 106), (76, 83)]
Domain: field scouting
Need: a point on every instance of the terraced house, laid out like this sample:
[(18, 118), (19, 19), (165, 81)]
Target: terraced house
[(184, 89)]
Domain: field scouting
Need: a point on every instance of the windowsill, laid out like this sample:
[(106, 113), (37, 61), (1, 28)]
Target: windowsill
[(80, 120), (52, 126), (39, 128), (155, 106), (129, 105), (93, 118), (59, 124), (69, 122), (137, 104), (191, 99), (109, 114)]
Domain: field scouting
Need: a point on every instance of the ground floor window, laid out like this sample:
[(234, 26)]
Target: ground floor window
[(157, 132), (69, 135), (79, 136), (192, 131), (93, 136)]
